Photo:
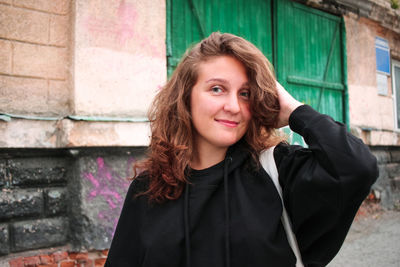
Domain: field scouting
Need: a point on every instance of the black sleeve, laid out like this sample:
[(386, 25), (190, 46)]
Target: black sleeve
[(124, 250), (324, 184)]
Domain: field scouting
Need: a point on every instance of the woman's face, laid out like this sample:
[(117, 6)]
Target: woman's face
[(220, 102)]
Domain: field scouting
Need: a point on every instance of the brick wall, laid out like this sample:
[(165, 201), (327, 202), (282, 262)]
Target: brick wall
[(62, 259), (34, 56)]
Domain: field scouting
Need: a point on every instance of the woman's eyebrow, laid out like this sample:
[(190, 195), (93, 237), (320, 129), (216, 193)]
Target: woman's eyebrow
[(217, 80), (246, 84)]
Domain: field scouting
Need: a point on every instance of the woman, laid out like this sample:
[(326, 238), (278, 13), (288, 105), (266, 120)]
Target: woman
[(202, 198)]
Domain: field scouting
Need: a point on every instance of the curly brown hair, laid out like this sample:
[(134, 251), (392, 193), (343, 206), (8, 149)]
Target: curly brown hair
[(171, 145)]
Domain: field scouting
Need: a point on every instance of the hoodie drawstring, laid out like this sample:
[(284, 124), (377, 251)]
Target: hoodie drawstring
[(228, 160), (227, 219), (186, 224)]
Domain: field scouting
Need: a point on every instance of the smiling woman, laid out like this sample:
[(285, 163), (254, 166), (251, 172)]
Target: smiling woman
[(220, 109), (201, 198)]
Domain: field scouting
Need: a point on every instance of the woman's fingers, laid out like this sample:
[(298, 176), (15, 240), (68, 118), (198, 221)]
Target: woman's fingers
[(287, 104)]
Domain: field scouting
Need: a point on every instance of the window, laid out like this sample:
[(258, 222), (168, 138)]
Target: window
[(396, 92)]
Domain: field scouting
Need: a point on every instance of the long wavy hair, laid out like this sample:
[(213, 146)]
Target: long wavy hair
[(172, 132)]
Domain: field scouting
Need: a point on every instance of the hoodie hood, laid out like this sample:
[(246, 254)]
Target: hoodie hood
[(237, 154)]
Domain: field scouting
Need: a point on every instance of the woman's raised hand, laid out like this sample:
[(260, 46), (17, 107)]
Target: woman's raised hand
[(287, 104)]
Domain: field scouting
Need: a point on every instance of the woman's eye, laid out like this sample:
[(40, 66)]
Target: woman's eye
[(216, 89), (245, 94)]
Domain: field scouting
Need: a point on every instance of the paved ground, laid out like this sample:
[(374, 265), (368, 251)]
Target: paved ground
[(373, 240)]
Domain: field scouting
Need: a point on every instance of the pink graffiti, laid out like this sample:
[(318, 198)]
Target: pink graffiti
[(120, 28), (100, 162), (93, 180), (104, 183), (125, 25)]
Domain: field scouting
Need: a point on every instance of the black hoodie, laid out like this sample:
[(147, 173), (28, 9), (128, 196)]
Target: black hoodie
[(230, 215)]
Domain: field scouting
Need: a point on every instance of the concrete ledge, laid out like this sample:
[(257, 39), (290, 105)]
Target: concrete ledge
[(24, 133), (376, 137)]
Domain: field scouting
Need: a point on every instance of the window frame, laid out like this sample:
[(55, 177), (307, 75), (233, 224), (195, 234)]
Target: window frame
[(395, 63)]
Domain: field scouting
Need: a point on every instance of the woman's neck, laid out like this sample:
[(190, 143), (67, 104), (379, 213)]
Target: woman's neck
[(206, 155)]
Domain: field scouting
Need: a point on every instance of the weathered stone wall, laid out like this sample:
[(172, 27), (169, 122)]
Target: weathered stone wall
[(79, 73), (119, 56), (98, 186), (63, 197), (33, 202), (34, 57), (387, 187)]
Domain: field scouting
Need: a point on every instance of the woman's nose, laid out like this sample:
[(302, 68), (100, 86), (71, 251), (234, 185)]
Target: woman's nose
[(232, 104)]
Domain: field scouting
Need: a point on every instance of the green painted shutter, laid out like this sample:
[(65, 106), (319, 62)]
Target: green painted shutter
[(309, 57), (189, 21)]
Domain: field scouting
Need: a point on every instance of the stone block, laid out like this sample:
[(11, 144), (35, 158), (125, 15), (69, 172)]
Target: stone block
[(40, 61), (393, 170), (56, 201), (396, 184), (4, 240), (53, 6), (24, 25), (383, 172), (100, 185), (39, 233), (29, 133), (58, 100), (59, 30), (23, 95), (5, 56), (395, 156), (6, 2), (382, 156), (3, 173), (21, 202), (33, 171), (113, 51)]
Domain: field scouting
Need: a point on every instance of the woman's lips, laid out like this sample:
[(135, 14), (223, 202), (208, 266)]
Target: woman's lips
[(228, 123)]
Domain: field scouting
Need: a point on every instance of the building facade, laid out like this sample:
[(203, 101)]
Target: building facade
[(77, 78)]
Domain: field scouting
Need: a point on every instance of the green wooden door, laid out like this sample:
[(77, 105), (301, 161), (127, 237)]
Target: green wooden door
[(309, 56), (310, 59), (189, 21)]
